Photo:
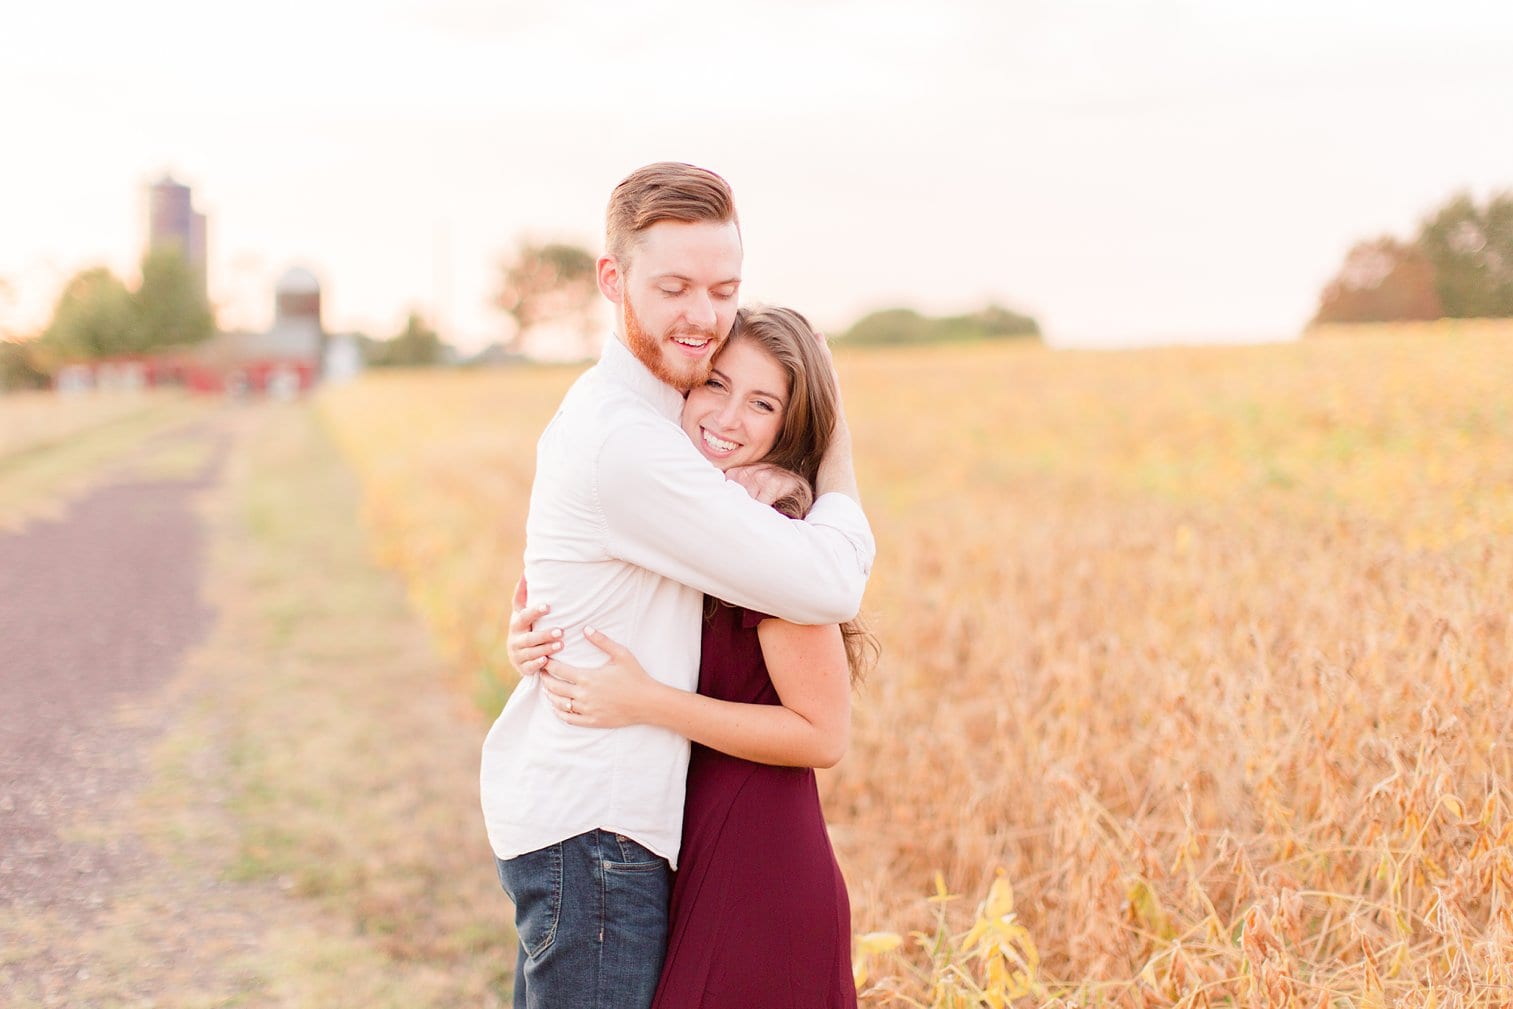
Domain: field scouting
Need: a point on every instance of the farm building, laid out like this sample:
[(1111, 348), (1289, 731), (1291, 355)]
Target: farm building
[(283, 362)]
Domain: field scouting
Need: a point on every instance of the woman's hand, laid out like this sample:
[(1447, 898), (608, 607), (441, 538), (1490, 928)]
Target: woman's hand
[(527, 647), (767, 483), (607, 697), (836, 474), (835, 375)]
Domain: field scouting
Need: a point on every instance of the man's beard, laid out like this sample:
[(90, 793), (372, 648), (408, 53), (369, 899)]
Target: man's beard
[(682, 374)]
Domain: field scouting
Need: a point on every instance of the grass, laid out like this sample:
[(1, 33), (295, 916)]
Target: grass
[(52, 448)]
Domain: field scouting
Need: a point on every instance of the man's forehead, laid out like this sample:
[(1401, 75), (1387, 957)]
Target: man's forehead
[(692, 266), (678, 237)]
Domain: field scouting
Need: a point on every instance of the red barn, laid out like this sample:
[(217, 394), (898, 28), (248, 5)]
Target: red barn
[(284, 362)]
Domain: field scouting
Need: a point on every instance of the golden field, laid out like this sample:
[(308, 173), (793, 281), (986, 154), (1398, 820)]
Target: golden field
[(1197, 663)]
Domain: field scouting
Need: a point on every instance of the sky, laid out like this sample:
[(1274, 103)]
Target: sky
[(1129, 173)]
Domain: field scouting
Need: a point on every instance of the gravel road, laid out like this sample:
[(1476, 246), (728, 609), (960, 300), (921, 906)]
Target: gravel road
[(97, 610)]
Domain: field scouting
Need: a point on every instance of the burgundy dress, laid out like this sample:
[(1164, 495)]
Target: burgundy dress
[(759, 913)]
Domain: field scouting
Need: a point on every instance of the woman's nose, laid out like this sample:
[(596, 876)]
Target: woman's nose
[(729, 415)]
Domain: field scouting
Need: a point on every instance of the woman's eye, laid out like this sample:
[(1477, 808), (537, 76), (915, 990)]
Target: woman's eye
[(765, 406)]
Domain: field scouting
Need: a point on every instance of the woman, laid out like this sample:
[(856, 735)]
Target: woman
[(759, 913)]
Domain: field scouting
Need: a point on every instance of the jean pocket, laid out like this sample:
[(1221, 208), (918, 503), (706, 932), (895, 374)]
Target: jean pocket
[(534, 882), (634, 857)]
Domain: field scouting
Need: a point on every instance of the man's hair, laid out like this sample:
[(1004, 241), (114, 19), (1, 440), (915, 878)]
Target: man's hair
[(665, 191)]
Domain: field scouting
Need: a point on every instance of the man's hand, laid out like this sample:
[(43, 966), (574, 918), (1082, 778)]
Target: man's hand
[(766, 483)]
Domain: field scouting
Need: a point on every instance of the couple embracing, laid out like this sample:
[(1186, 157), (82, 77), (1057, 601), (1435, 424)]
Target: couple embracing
[(695, 558)]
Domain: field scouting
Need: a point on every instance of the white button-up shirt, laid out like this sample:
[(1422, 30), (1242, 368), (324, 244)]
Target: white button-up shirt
[(629, 527)]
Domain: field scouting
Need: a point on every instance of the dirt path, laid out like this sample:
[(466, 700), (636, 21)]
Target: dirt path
[(98, 608)]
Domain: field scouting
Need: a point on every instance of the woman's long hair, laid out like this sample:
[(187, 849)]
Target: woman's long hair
[(808, 424)]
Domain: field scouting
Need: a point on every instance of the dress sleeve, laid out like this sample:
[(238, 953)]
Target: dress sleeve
[(668, 510), (751, 618)]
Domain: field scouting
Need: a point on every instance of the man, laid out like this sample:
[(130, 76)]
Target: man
[(628, 528)]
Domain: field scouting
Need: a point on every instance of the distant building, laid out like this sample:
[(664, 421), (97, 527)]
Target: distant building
[(172, 222), (296, 316), (287, 360)]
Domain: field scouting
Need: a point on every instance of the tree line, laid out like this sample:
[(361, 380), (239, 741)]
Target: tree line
[(98, 315), (1459, 266), (557, 283), (549, 287), (907, 326)]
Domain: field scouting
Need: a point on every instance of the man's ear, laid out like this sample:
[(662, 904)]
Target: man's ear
[(611, 279)]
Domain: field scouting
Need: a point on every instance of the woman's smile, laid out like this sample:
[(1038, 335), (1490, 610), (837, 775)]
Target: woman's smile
[(721, 446)]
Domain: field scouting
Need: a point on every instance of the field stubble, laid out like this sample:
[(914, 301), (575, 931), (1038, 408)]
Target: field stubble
[(52, 447), (1208, 650)]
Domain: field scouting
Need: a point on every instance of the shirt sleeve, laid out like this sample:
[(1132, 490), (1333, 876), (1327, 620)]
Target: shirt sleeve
[(667, 509)]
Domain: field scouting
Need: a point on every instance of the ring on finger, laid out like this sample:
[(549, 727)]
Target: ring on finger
[(570, 710)]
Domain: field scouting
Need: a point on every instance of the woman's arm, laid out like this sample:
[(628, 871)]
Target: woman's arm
[(808, 668)]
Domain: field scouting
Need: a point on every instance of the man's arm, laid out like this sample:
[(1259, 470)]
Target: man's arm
[(668, 510)]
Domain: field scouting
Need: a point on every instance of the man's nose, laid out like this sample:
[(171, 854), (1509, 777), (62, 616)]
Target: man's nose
[(701, 311)]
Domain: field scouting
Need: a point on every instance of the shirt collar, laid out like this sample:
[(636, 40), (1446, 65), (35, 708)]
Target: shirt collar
[(625, 369)]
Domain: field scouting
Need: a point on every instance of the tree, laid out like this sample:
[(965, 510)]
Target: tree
[(994, 322), (1381, 280), (890, 325), (97, 316), (94, 317), (549, 283), (905, 325), (416, 346), (1471, 250), (170, 305), (19, 366)]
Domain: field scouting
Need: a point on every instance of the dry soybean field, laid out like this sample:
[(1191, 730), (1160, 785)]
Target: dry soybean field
[(1197, 664)]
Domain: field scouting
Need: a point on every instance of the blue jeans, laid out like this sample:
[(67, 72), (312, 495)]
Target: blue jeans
[(591, 913)]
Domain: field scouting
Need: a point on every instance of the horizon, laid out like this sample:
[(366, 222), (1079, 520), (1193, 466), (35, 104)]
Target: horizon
[(1166, 174)]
